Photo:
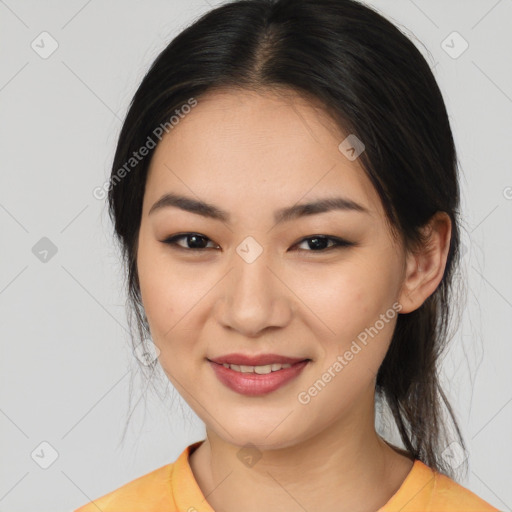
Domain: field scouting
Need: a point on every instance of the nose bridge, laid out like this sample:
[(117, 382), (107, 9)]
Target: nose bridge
[(254, 298)]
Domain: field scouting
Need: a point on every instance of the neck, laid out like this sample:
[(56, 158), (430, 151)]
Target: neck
[(346, 467)]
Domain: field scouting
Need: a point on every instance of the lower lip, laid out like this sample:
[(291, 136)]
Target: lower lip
[(253, 384)]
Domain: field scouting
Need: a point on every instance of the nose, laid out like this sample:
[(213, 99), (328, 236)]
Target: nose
[(253, 297)]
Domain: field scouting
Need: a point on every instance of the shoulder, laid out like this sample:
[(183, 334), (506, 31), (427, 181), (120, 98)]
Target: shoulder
[(156, 491), (453, 496), (429, 490), (149, 492)]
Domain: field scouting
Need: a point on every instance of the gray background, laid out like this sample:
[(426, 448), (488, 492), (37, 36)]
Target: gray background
[(65, 359)]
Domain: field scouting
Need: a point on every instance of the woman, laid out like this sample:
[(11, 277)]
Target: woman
[(285, 192)]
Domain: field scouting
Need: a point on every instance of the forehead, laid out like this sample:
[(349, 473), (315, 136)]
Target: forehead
[(257, 148)]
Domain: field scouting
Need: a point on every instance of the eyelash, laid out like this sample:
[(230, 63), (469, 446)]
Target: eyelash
[(339, 243)]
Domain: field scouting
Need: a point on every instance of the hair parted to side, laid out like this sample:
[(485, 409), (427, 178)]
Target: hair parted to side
[(375, 84)]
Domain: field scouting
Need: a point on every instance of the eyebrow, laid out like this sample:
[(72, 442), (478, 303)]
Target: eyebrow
[(283, 215)]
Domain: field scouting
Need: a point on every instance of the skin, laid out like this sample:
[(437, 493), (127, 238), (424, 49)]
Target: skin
[(250, 154)]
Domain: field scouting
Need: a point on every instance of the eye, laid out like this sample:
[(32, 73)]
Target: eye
[(319, 243), (194, 241), (316, 243)]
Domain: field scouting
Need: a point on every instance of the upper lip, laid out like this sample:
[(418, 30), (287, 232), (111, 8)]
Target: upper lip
[(253, 360)]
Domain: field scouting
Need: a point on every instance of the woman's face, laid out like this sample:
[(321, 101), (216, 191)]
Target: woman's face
[(259, 283)]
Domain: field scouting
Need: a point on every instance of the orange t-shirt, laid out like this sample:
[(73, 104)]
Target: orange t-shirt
[(173, 488)]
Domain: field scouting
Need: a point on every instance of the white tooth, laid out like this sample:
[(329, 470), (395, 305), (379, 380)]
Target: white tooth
[(262, 370)]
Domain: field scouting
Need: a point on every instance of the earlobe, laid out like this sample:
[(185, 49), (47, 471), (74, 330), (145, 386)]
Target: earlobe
[(425, 265)]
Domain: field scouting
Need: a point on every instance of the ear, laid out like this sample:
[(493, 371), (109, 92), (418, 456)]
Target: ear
[(425, 265)]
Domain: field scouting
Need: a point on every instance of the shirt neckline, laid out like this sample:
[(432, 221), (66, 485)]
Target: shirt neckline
[(188, 494)]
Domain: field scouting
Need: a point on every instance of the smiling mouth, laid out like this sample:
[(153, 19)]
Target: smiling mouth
[(257, 380)]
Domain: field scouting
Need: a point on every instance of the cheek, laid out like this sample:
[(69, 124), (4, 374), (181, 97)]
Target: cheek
[(159, 291), (161, 303), (344, 298), (353, 307), (172, 300)]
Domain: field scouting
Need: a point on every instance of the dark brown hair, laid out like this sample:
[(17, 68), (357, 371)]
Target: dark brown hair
[(375, 84)]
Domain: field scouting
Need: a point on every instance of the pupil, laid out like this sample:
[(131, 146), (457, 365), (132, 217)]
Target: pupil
[(318, 243), (196, 241)]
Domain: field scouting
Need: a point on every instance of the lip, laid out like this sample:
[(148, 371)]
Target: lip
[(256, 360), (253, 384)]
